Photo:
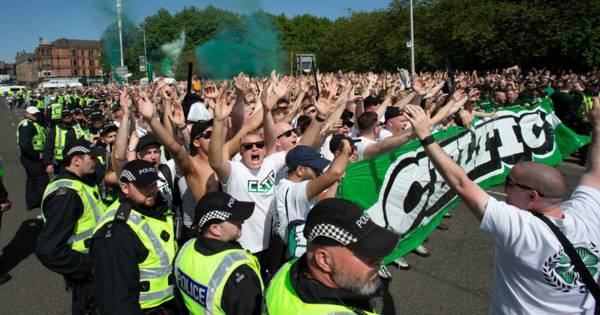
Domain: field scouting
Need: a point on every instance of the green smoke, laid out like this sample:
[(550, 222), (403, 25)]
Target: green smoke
[(172, 51), (252, 47)]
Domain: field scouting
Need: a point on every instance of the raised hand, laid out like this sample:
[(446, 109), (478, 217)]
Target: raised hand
[(125, 100), (268, 98), (418, 119), (211, 90), (145, 107), (458, 95), (241, 82), (223, 105), (282, 87)]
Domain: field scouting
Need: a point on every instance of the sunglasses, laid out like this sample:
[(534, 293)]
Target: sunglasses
[(348, 124), (206, 135), (287, 134), (259, 145), (511, 183)]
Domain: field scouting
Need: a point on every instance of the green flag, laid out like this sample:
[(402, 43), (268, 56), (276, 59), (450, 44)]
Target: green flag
[(401, 190)]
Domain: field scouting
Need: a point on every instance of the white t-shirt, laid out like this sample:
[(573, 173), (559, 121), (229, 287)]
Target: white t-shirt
[(532, 273), (163, 186), (325, 152), (258, 186), (293, 195), (362, 146), (384, 133)]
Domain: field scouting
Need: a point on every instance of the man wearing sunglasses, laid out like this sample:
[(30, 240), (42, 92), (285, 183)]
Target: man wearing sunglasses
[(532, 273), (286, 136)]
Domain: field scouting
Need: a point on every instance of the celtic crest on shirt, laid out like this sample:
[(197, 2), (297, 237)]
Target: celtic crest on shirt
[(560, 273)]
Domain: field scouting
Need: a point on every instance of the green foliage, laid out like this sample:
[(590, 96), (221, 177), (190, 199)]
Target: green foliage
[(466, 34)]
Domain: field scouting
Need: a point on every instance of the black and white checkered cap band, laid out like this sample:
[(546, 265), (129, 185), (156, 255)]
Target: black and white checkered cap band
[(215, 214), (128, 175), (331, 231), (79, 149)]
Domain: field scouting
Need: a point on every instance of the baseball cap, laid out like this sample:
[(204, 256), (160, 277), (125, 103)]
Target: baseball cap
[(96, 114), (392, 112), (80, 147), (141, 173), (337, 222), (66, 112), (199, 127), (145, 141), (218, 205), (303, 155), (336, 142), (108, 128), (32, 110)]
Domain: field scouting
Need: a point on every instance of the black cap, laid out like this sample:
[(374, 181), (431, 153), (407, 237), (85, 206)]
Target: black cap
[(303, 155), (218, 205), (81, 147), (96, 114), (108, 128), (77, 110), (87, 110), (199, 127), (66, 112), (392, 112), (146, 140), (139, 172), (336, 142), (336, 222)]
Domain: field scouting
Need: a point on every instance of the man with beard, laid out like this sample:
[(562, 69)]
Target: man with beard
[(133, 247), (214, 274), (71, 208), (338, 272)]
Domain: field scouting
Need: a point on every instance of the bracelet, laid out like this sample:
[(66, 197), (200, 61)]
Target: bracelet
[(319, 119), (427, 140), (130, 149)]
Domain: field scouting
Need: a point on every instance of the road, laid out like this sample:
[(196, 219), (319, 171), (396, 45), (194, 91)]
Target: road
[(455, 279)]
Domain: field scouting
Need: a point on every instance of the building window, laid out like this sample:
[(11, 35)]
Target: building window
[(99, 53), (91, 63), (74, 52), (74, 72), (90, 53), (74, 63)]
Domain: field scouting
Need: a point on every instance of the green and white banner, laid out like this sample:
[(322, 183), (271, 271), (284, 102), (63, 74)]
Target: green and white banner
[(402, 191)]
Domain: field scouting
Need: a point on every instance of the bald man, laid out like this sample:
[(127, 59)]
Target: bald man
[(532, 273)]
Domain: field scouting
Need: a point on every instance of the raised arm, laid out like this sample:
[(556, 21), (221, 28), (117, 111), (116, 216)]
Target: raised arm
[(592, 175), (475, 197), (120, 148), (216, 158), (333, 174), (148, 111)]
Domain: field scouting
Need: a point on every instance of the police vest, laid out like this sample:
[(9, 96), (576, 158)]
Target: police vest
[(60, 99), (586, 102), (60, 141), (80, 132), (201, 279), (281, 298), (156, 279), (38, 139), (93, 209), (56, 111), (40, 105)]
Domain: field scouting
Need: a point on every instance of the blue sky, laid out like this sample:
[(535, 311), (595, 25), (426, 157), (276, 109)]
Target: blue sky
[(23, 22)]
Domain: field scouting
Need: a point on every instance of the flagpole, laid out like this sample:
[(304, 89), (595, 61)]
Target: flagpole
[(412, 41)]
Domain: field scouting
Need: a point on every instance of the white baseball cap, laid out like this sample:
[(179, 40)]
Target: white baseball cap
[(32, 110)]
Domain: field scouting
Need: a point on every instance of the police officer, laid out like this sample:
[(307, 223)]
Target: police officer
[(134, 246), (81, 125), (31, 138), (54, 111), (5, 205), (58, 138), (338, 272), (71, 208), (214, 274)]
